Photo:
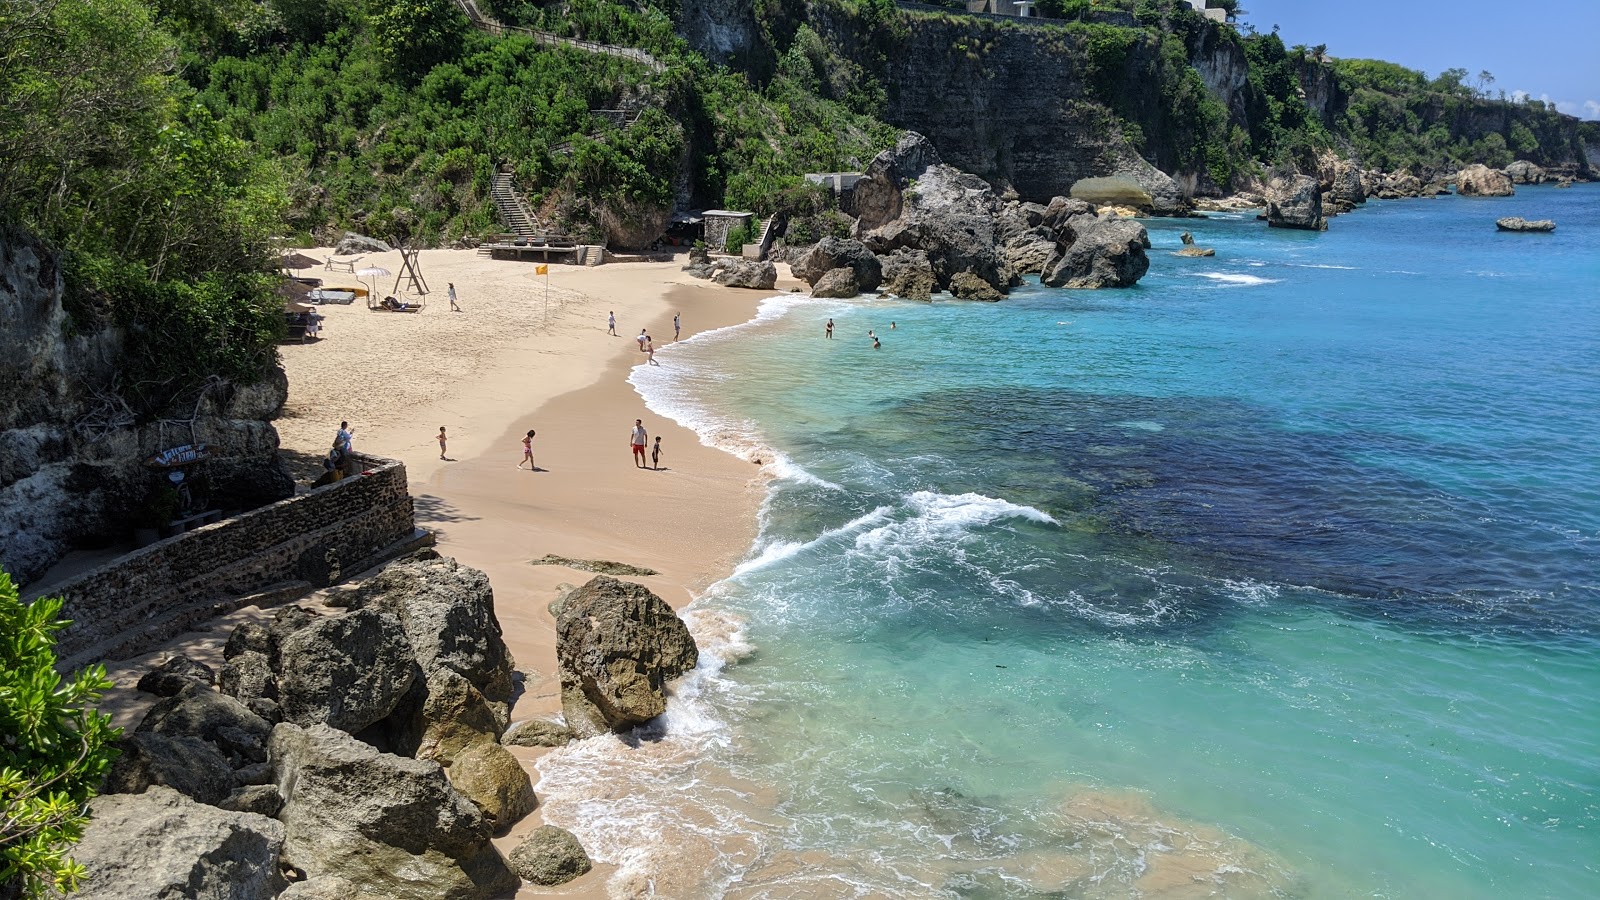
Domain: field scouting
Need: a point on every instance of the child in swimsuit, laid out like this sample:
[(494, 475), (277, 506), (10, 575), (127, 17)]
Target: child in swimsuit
[(655, 455), (527, 452)]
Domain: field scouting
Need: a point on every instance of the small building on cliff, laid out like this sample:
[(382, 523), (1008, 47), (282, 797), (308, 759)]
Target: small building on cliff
[(1022, 9)]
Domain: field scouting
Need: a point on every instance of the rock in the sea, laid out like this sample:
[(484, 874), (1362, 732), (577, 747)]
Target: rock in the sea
[(1137, 185), (174, 675), (1195, 252), (185, 764), (949, 214), (1478, 180), (537, 733), (967, 286), (488, 775), (1518, 223), (1395, 185), (907, 274), (1295, 201), (391, 824), (346, 671), (759, 275), (836, 283), (550, 856), (1342, 186), (1098, 252), (161, 844), (618, 644), (1524, 172), (359, 243), (833, 253)]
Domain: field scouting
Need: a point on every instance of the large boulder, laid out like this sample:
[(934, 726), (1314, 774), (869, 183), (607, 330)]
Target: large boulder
[(185, 764), (488, 775), (939, 209), (1136, 184), (174, 675), (161, 844), (1478, 180), (391, 824), (758, 275), (617, 645), (1029, 249), (550, 856), (1295, 201), (1518, 223), (227, 725), (1342, 186), (537, 733), (451, 716), (347, 671), (967, 286), (359, 243), (832, 253), (328, 887), (1395, 185), (1097, 252), (837, 283), (1524, 172), (907, 274)]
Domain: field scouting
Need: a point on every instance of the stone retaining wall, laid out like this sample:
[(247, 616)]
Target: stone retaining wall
[(314, 538)]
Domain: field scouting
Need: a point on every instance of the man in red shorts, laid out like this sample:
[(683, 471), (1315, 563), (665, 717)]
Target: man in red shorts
[(639, 439)]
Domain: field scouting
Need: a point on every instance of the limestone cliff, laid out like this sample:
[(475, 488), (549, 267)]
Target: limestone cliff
[(71, 451)]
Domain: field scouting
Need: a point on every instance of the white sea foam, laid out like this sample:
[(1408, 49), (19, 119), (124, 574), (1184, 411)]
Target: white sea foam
[(1322, 266), (1236, 280), (937, 519), (781, 550)]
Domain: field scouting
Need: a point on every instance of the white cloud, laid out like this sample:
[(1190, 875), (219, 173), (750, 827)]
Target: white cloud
[(1519, 96), (1591, 109)]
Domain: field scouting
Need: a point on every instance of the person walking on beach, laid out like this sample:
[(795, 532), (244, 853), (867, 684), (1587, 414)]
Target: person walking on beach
[(527, 452), (454, 306), (441, 443), (828, 333), (650, 348), (677, 326), (641, 339), (638, 439), (655, 455), (611, 324)]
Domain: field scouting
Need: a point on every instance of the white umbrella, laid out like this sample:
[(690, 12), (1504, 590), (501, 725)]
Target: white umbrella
[(373, 272)]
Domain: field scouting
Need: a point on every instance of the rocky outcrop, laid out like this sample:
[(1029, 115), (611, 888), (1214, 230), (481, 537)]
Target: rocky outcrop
[(174, 675), (1479, 180), (967, 286), (391, 824), (1517, 223), (197, 711), (347, 671), (758, 275), (1343, 188), (1395, 185), (72, 449), (187, 765), (907, 274), (550, 856), (913, 201), (163, 844), (1098, 252), (1190, 250), (351, 243), (1524, 172), (537, 733), (488, 775), (830, 254), (1295, 201), (836, 283), (617, 645), (1135, 184)]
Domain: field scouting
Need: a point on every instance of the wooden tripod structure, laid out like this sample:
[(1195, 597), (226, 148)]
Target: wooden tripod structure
[(411, 275)]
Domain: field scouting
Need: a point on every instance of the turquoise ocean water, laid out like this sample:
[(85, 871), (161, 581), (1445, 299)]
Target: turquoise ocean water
[(1277, 575)]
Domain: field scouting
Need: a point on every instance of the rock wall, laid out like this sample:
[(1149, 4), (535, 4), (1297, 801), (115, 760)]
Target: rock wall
[(71, 451), (162, 589)]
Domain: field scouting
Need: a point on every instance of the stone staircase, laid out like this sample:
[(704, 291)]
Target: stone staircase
[(512, 206)]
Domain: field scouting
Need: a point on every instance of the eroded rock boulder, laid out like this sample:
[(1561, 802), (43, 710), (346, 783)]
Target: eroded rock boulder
[(1136, 184), (174, 675), (1524, 172), (907, 274), (537, 733), (1098, 252), (161, 844), (1518, 223), (830, 254), (1342, 186), (967, 286), (347, 671), (617, 645), (758, 275), (550, 856), (1295, 201), (359, 243), (184, 764), (837, 283), (388, 823), (488, 775), (1478, 180), (197, 711)]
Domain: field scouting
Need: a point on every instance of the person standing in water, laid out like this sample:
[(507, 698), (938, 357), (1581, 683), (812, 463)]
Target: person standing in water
[(611, 324), (828, 332), (650, 348), (527, 452), (677, 326), (655, 454), (637, 440), (876, 344)]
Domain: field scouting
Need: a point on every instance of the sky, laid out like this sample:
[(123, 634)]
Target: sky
[(1547, 49)]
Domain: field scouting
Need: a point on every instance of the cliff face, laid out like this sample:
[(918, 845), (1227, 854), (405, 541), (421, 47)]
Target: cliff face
[(71, 454)]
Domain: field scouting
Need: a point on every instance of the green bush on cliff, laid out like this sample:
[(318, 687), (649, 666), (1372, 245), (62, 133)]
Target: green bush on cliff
[(54, 748)]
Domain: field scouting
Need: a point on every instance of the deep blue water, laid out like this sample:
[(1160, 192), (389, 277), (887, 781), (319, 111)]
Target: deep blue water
[(1277, 575)]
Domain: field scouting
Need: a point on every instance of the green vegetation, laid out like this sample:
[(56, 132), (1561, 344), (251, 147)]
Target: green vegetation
[(55, 750)]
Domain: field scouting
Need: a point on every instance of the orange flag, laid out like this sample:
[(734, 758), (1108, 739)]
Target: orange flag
[(542, 270)]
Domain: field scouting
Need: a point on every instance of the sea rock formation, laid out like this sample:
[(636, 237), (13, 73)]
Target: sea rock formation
[(488, 775), (1524, 172), (1343, 188), (537, 733), (967, 286), (1098, 252), (1295, 201), (907, 274), (162, 844), (758, 275), (1478, 180), (391, 824), (550, 856), (1135, 184), (909, 199), (840, 283), (617, 645), (832, 253), (1518, 223), (1190, 250)]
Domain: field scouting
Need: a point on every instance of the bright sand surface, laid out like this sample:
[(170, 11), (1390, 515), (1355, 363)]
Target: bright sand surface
[(511, 361)]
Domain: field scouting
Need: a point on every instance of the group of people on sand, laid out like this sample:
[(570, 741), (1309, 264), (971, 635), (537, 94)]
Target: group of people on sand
[(827, 332), (647, 344)]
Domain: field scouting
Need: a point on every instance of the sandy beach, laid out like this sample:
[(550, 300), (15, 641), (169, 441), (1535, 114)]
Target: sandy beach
[(511, 361)]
